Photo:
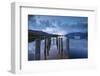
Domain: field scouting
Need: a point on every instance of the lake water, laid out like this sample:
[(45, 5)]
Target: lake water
[(77, 49)]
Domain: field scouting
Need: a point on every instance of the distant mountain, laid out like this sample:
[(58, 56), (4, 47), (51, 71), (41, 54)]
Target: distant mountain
[(77, 34), (33, 34)]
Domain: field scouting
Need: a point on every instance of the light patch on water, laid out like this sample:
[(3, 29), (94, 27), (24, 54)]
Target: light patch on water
[(31, 47)]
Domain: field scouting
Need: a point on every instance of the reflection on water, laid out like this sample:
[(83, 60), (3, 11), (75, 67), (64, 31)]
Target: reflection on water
[(78, 48), (57, 48)]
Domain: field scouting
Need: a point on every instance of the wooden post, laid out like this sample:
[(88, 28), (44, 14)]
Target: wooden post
[(61, 45), (48, 45), (67, 47), (45, 49), (37, 49), (57, 42)]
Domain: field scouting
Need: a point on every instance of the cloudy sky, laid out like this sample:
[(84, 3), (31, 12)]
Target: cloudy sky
[(57, 24)]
